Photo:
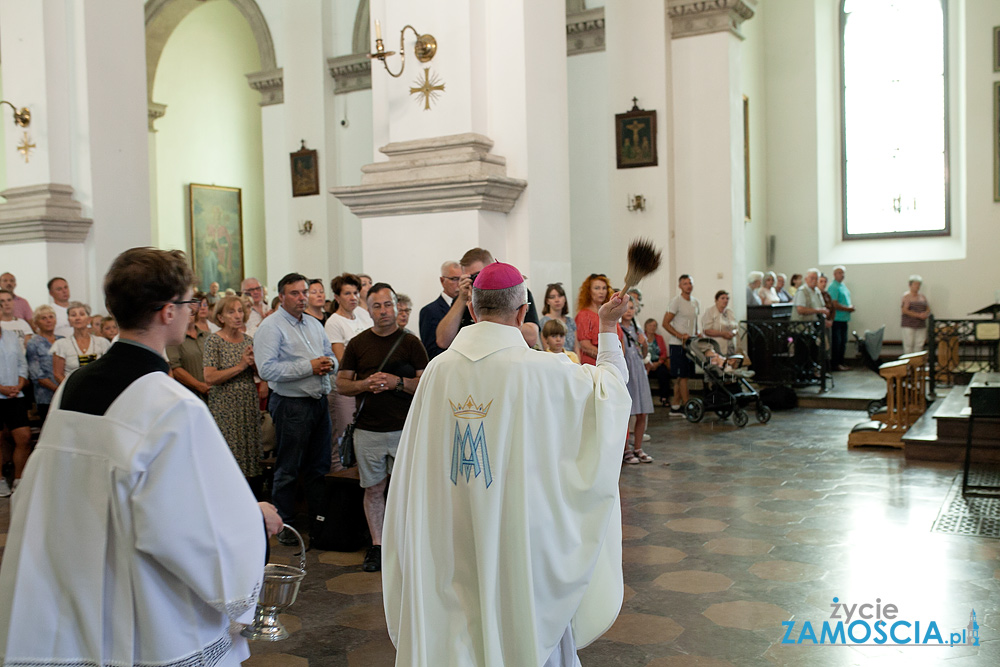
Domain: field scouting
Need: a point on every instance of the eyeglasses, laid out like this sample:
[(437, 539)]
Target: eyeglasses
[(187, 302), (253, 289), (404, 310), (454, 280)]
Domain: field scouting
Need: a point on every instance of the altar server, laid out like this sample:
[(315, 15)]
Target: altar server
[(134, 539), (502, 534)]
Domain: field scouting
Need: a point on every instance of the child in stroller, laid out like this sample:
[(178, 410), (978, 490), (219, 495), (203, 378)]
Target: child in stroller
[(727, 387)]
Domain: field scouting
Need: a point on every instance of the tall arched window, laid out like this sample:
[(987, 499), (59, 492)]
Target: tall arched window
[(895, 134)]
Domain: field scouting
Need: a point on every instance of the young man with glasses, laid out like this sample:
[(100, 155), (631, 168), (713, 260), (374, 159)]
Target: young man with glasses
[(132, 474)]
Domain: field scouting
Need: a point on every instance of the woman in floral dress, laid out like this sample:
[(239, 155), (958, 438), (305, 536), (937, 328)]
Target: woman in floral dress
[(232, 398)]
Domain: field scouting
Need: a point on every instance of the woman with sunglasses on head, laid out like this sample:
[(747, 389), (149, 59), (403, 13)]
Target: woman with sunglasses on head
[(557, 308), (78, 349)]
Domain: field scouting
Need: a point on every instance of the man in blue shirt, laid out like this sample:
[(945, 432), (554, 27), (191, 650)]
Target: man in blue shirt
[(293, 355), (841, 296), (13, 410)]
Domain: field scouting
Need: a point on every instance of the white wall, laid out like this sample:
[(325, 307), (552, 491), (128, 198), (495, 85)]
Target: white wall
[(211, 133), (755, 76), (960, 273)]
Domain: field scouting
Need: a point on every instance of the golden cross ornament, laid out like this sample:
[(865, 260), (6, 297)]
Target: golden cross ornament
[(428, 88), (25, 147)]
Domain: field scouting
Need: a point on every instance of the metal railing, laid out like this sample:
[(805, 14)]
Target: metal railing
[(959, 349), (783, 352)]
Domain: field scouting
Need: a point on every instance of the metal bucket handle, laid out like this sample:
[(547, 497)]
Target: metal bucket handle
[(302, 549)]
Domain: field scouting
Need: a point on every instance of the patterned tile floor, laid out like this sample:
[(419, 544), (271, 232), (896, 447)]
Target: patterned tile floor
[(743, 530)]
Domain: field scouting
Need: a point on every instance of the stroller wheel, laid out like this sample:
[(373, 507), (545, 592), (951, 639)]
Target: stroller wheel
[(694, 410), (741, 418), (763, 413)]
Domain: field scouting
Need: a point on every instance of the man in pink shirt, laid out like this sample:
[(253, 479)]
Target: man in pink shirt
[(22, 308)]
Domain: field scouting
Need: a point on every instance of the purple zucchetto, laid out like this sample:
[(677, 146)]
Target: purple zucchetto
[(498, 276)]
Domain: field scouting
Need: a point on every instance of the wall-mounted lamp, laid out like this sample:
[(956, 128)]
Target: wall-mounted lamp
[(424, 49), (22, 116), (306, 227), (636, 203)]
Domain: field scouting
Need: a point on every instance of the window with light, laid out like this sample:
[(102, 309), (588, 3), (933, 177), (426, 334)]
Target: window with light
[(895, 135)]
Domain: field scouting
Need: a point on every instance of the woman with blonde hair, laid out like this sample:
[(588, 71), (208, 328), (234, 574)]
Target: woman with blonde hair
[(80, 349), (232, 395), (38, 350), (595, 291), (766, 292)]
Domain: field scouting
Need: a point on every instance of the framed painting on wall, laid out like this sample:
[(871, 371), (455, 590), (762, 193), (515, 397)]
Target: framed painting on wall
[(635, 137), (996, 49), (216, 236), (305, 172), (996, 141)]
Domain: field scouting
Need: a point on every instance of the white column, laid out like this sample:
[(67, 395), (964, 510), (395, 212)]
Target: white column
[(503, 65), (80, 68), (708, 146), (638, 48)]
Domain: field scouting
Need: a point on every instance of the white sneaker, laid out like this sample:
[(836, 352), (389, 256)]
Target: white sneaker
[(4, 488), (645, 437)]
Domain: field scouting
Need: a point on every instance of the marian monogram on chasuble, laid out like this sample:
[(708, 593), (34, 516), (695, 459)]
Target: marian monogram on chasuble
[(469, 453)]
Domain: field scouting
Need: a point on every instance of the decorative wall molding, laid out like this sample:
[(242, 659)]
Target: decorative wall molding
[(270, 85), (155, 112), (452, 173), (585, 31), (702, 17), (350, 73), (45, 212)]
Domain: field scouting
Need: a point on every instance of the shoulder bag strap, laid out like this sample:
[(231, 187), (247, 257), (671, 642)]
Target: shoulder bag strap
[(378, 370)]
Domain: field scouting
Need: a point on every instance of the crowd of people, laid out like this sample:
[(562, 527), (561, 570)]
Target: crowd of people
[(288, 378)]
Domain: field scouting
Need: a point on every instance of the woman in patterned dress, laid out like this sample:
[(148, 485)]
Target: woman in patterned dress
[(232, 398)]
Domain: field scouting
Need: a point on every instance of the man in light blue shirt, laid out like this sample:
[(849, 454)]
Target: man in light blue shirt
[(841, 296), (13, 407), (293, 355)]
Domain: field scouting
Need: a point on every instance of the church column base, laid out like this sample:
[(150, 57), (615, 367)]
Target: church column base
[(44, 212)]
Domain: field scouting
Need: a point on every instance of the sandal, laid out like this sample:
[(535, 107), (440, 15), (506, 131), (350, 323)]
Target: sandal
[(630, 458), (642, 456)]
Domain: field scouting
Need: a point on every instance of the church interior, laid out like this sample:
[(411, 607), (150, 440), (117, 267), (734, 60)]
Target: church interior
[(499, 124)]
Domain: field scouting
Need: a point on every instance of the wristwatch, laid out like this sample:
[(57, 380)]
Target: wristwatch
[(399, 386)]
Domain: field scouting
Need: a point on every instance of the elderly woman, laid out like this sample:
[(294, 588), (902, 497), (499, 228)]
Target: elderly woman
[(766, 292), (915, 310), (186, 359), (39, 353), (783, 295), (828, 303), (720, 324), (595, 291), (404, 306), (753, 286), (557, 308), (232, 396), (80, 349)]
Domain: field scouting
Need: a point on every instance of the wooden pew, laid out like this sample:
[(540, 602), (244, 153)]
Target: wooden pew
[(888, 433)]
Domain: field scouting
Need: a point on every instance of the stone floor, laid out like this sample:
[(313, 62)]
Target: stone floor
[(729, 533)]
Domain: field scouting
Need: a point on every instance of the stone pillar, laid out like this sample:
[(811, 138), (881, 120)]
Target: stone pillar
[(87, 102), (708, 142), (455, 170)]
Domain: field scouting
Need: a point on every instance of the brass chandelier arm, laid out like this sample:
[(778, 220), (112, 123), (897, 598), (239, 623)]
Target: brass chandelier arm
[(22, 117), (424, 48)]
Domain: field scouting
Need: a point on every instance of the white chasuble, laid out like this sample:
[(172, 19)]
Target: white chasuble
[(134, 539), (503, 523)]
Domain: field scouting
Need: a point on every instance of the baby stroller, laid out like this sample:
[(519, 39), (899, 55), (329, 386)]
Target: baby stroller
[(869, 351), (727, 389)]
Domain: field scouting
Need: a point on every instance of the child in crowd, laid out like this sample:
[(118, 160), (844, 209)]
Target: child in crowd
[(554, 338), (635, 348)]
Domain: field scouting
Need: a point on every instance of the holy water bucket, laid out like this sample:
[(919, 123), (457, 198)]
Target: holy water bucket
[(280, 588)]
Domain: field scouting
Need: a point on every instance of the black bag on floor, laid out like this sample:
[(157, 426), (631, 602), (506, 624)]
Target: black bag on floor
[(779, 398), (342, 527)]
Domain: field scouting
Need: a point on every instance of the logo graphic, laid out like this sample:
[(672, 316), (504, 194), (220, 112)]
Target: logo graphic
[(469, 453), (875, 624)]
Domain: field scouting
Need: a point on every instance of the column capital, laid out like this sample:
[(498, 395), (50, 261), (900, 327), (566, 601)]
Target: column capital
[(585, 31), (351, 72), (452, 173), (45, 212), (155, 111), (270, 84), (701, 17)]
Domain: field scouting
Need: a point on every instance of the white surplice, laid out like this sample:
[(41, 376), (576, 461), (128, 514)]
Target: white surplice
[(134, 539), (503, 523)]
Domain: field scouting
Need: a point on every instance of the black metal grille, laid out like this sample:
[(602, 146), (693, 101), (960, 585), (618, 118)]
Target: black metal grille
[(974, 516), (956, 354), (788, 353)]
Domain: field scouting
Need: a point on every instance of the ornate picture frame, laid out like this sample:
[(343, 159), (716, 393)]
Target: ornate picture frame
[(216, 215), (305, 172), (635, 138), (996, 49)]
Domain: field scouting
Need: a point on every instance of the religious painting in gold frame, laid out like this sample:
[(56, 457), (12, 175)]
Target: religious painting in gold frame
[(635, 138), (305, 172), (216, 236), (996, 141)]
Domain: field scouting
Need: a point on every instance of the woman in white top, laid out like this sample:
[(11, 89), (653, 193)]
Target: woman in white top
[(9, 322), (767, 293), (80, 349), (346, 322), (720, 324)]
